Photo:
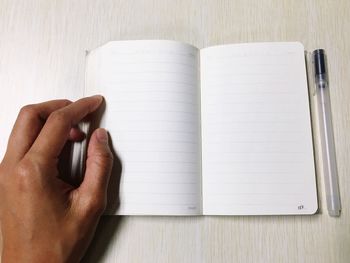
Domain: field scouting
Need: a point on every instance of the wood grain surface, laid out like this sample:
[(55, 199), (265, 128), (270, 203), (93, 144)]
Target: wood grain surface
[(42, 56)]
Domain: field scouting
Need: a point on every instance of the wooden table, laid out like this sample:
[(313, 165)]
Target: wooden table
[(42, 55)]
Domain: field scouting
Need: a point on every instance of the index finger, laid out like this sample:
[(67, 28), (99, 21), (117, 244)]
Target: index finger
[(55, 132)]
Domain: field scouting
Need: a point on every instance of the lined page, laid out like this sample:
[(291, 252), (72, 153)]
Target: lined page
[(152, 113), (256, 131)]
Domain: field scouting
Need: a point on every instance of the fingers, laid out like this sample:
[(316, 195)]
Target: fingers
[(56, 130), (93, 190), (29, 122), (76, 135)]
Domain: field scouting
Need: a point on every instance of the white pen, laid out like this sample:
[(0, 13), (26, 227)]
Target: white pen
[(326, 132)]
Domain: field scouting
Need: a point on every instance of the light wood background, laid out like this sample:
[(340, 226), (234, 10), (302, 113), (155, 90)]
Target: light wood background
[(42, 55)]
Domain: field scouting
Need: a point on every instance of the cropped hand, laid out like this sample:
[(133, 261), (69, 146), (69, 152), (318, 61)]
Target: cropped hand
[(43, 218)]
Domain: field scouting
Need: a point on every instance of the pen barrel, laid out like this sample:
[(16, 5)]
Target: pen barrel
[(328, 149)]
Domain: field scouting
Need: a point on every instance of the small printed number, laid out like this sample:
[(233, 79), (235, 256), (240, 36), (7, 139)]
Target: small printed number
[(300, 207)]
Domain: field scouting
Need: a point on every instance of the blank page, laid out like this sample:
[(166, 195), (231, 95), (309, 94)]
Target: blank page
[(152, 113), (256, 132)]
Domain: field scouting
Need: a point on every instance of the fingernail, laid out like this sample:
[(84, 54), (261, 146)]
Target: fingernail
[(102, 135)]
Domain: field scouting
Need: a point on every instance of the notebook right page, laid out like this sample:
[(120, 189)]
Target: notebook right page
[(257, 151)]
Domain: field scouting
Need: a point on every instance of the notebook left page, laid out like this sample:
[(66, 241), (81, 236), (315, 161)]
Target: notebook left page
[(152, 110)]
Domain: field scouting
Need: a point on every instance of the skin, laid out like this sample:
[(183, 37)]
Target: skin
[(43, 218)]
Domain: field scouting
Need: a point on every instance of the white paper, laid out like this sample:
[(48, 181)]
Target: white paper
[(152, 97), (257, 151)]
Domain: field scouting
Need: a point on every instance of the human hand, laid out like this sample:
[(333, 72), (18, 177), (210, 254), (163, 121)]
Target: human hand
[(43, 218)]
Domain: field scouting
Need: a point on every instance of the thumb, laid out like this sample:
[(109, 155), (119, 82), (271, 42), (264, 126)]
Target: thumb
[(93, 189)]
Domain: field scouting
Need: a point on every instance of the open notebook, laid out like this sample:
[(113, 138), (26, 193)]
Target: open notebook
[(224, 130)]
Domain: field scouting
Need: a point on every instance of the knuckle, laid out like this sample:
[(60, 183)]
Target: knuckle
[(28, 111), (24, 168), (26, 172), (58, 116), (105, 155), (66, 102)]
